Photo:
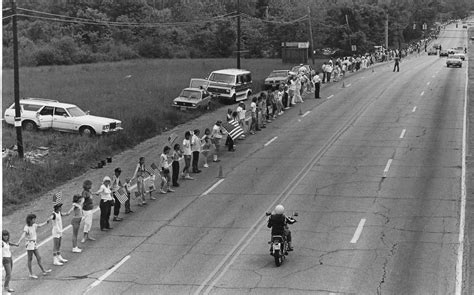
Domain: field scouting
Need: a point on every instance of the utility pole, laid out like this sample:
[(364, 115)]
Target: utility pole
[(16, 83), (386, 30), (238, 34), (311, 34)]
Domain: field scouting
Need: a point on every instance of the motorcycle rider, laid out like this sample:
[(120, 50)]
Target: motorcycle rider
[(278, 222)]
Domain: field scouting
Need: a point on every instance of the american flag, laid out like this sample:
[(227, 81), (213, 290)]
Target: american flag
[(233, 129), (172, 138), (57, 198), (153, 166), (121, 195)]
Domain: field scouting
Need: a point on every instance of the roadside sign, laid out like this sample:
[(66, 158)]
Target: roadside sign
[(354, 47)]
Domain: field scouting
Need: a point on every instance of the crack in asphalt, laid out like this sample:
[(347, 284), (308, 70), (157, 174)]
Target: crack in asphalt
[(384, 268)]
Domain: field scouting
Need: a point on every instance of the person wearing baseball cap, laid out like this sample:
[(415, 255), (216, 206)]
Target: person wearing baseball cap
[(106, 203)]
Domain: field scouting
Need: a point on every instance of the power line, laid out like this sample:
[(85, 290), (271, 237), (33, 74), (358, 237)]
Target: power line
[(302, 18)]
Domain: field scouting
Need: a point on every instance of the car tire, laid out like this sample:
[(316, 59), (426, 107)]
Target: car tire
[(29, 125), (87, 131), (234, 98)]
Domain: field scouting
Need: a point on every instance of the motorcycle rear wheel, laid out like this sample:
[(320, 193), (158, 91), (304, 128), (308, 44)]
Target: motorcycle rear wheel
[(278, 258)]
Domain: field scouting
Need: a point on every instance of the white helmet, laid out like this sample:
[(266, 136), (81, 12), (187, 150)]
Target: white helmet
[(279, 209)]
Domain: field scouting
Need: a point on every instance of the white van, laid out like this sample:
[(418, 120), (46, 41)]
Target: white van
[(230, 84)]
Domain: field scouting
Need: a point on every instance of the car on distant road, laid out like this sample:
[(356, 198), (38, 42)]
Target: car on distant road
[(40, 113), (195, 96), (462, 55), (276, 78), (432, 51), (454, 60), (443, 53)]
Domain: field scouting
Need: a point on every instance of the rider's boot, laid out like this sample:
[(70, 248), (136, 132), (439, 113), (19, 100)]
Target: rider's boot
[(290, 248)]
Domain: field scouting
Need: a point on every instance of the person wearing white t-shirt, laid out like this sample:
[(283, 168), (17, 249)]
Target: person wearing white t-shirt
[(241, 115), (196, 150), (187, 152)]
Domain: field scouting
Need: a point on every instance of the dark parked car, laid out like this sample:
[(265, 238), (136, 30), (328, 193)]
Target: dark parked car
[(443, 53)]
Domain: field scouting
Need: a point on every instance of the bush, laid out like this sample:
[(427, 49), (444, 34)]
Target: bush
[(45, 56)]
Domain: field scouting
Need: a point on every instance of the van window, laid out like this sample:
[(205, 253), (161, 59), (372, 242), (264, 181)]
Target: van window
[(46, 111), (247, 78), (31, 107), (223, 78)]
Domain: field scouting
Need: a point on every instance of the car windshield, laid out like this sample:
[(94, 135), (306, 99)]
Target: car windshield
[(278, 74), (76, 112), (190, 94), (455, 56), (223, 78)]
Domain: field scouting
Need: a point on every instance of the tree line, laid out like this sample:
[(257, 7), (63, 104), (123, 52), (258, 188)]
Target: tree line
[(71, 32)]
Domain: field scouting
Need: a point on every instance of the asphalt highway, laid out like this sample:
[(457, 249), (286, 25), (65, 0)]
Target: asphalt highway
[(373, 170)]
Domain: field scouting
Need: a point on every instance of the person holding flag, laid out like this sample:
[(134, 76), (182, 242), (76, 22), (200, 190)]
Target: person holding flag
[(233, 130), (116, 185)]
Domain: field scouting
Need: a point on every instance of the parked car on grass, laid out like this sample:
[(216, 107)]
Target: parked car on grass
[(454, 60), (276, 78), (40, 113), (195, 96)]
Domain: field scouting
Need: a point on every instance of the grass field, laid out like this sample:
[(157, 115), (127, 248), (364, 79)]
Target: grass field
[(138, 92)]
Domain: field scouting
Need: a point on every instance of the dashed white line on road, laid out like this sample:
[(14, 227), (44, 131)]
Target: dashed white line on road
[(422, 93), (212, 187), (348, 85), (330, 96), (108, 273), (414, 109), (403, 133), (304, 115), (273, 139), (428, 83), (358, 231), (433, 76), (387, 167)]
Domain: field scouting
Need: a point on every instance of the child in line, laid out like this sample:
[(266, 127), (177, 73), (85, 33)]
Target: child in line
[(165, 171), (7, 259), (87, 207), (77, 203), (139, 174), (206, 146), (127, 202), (29, 233), (57, 229), (187, 155), (177, 154)]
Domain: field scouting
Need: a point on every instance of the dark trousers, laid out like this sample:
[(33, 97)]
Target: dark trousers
[(127, 203), (117, 206), (284, 100), (175, 167), (231, 143), (317, 87), (105, 208), (397, 67), (195, 161)]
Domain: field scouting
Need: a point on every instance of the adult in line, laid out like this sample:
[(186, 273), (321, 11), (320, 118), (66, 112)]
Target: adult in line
[(106, 203), (317, 85), (87, 207), (139, 174), (216, 136), (187, 155), (116, 185), (196, 150)]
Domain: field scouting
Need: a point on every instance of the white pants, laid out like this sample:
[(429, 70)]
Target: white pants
[(87, 220)]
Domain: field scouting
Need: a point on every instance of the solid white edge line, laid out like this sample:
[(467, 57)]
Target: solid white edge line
[(387, 167), (332, 95), (358, 231), (105, 275), (414, 109), (306, 113), (403, 133), (462, 213), (271, 140), (212, 187)]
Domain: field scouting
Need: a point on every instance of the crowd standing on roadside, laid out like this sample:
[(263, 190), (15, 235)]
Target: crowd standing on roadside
[(264, 108)]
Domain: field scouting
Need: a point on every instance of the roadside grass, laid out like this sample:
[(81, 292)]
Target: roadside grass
[(138, 92)]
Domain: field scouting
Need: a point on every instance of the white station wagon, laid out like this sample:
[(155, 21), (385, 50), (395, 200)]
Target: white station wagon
[(39, 113)]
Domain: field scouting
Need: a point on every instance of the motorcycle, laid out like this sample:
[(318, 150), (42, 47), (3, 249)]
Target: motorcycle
[(279, 245)]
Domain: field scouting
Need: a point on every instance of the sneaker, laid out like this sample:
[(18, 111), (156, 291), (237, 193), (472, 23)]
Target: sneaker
[(57, 262), (206, 166), (188, 177), (170, 190), (76, 250), (83, 240), (33, 277), (117, 219), (153, 198), (46, 272), (162, 191), (9, 290), (90, 238), (62, 259), (176, 184), (216, 160)]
